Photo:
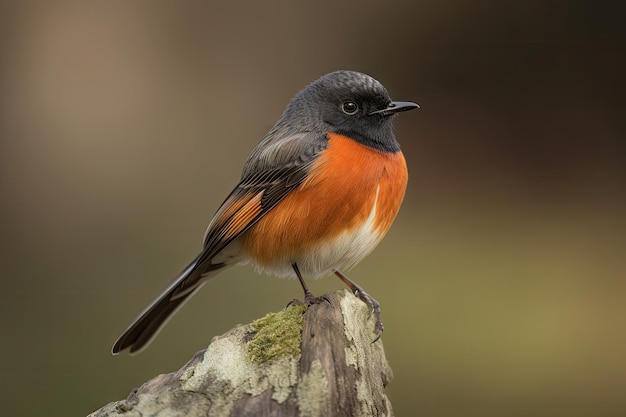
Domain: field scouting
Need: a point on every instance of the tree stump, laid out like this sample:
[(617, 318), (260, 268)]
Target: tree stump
[(320, 363)]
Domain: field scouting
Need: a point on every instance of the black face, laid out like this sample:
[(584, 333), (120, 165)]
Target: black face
[(353, 108), (343, 102)]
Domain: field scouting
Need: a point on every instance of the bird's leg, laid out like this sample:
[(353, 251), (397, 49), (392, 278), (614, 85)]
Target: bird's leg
[(367, 299), (309, 298)]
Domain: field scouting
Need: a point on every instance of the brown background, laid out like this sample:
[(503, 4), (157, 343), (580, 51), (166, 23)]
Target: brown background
[(124, 124)]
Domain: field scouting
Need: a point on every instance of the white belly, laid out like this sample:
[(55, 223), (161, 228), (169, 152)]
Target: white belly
[(342, 252)]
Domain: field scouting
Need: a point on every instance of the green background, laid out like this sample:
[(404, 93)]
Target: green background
[(123, 125)]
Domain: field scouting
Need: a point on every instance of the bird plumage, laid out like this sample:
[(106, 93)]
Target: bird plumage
[(317, 194)]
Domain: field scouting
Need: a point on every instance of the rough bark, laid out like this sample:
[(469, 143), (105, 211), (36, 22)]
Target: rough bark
[(257, 370)]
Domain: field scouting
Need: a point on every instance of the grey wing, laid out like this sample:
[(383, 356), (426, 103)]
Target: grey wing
[(273, 170), (275, 167)]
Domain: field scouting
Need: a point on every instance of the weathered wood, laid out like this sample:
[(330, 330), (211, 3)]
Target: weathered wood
[(257, 370)]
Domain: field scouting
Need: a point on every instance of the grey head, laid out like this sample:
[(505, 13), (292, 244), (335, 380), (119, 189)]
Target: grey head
[(349, 103)]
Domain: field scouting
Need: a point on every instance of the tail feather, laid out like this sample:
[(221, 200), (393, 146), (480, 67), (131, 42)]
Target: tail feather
[(148, 324)]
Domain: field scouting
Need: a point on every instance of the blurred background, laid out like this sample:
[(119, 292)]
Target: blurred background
[(123, 125)]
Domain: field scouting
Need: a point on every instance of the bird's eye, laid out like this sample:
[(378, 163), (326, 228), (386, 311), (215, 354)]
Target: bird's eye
[(350, 108)]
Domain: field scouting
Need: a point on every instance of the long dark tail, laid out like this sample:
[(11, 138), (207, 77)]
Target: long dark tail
[(148, 324)]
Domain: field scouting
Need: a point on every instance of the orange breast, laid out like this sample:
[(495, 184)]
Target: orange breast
[(343, 186)]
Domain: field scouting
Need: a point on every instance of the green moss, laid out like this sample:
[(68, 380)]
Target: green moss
[(277, 334)]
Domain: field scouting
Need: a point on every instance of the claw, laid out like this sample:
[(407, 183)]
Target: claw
[(375, 310), (367, 299), (294, 302), (310, 299)]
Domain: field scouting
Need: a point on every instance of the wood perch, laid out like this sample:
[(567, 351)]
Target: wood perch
[(320, 363)]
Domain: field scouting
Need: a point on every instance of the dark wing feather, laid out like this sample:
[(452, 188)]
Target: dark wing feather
[(273, 169)]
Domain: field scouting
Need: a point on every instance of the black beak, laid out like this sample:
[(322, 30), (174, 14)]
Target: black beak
[(396, 107)]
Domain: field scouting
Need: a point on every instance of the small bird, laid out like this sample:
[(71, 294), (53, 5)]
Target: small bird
[(317, 194)]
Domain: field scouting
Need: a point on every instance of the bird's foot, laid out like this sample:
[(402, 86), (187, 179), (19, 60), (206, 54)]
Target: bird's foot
[(309, 299), (367, 299), (375, 310)]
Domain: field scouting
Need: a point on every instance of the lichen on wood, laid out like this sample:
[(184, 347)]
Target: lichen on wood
[(320, 363)]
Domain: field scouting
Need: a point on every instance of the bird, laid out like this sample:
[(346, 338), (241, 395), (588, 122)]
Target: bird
[(316, 195)]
